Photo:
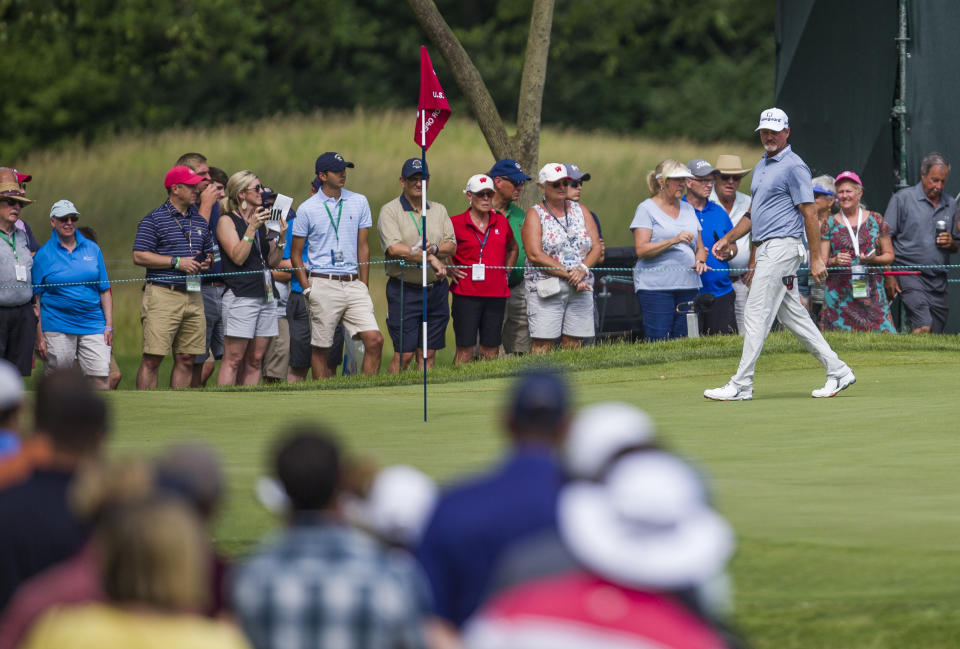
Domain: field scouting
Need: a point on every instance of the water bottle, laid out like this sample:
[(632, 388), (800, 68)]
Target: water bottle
[(941, 227)]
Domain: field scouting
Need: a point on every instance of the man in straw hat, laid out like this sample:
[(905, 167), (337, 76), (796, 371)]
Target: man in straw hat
[(783, 210), (726, 194), (18, 321)]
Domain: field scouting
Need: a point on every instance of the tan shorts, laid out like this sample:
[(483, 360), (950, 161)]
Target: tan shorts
[(172, 319), (277, 357), (90, 351), (331, 301)]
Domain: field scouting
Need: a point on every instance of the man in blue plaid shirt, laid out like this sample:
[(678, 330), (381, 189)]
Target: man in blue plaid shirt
[(323, 583)]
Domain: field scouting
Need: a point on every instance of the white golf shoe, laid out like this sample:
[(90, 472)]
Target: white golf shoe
[(729, 392), (832, 386)]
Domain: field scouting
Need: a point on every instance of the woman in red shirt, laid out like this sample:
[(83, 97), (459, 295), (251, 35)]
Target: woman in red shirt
[(486, 247)]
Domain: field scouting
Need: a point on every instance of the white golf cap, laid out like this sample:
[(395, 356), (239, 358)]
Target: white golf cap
[(399, 504), (599, 432), (11, 386), (63, 208), (552, 172), (649, 524), (773, 119), (479, 183)]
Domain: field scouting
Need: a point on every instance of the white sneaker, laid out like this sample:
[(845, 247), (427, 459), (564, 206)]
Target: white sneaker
[(729, 392), (832, 386)]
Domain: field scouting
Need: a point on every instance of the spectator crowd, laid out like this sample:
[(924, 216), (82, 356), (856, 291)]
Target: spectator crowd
[(588, 532), (273, 293)]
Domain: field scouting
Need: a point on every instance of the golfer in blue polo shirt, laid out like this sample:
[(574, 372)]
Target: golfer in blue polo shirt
[(76, 306)]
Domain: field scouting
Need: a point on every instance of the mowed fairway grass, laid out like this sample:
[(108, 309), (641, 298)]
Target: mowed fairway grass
[(845, 508)]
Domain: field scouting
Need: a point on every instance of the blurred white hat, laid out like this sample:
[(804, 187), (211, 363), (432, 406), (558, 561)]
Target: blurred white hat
[(599, 432), (11, 386), (400, 502), (647, 525)]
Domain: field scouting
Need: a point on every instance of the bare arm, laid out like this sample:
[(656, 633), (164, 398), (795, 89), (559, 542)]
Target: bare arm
[(818, 269), (363, 255), (296, 252), (106, 304), (646, 249), (531, 235), (742, 228)]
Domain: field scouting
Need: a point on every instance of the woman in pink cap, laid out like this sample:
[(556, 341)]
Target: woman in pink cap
[(857, 241)]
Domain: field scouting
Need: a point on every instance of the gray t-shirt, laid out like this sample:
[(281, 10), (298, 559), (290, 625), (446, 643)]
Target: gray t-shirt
[(912, 220), (672, 269), (14, 292), (779, 184)]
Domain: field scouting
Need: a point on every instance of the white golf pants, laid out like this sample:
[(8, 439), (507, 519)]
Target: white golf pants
[(770, 299)]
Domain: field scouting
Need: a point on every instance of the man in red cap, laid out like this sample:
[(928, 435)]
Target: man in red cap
[(173, 243)]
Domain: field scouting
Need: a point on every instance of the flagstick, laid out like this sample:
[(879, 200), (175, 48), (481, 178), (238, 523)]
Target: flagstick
[(423, 234)]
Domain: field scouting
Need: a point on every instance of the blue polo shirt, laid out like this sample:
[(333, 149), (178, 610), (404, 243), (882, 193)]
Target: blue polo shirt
[(294, 282), (317, 219), (715, 222), (165, 231), (70, 309), (474, 523), (779, 184)]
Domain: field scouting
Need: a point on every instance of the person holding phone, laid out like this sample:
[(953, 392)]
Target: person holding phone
[(858, 241), (249, 309)]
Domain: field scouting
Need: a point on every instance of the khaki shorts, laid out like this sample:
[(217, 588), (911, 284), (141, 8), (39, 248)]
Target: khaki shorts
[(90, 351), (172, 319), (331, 301), (277, 357)]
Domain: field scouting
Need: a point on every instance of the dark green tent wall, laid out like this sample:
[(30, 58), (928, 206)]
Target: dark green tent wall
[(836, 77)]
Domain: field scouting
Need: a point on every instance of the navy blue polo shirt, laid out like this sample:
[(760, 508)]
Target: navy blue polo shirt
[(73, 309), (715, 222), (475, 522), (165, 231)]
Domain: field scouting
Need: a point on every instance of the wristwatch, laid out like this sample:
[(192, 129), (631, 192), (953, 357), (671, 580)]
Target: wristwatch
[(436, 249)]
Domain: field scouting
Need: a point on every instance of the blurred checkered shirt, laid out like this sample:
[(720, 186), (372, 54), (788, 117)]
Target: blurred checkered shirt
[(328, 585)]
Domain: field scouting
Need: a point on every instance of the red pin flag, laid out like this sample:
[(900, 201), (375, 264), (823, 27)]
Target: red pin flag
[(433, 111)]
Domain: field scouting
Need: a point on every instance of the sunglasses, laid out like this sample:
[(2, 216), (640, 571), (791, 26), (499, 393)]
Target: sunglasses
[(729, 177), (255, 188), (576, 183), (72, 218), (513, 182), (560, 183)]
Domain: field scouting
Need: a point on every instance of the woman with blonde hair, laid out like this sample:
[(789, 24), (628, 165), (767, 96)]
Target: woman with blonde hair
[(154, 568), (670, 252), (249, 310)]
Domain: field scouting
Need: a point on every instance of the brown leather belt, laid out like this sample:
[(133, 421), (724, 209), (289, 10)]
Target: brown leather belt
[(336, 278), (180, 288)]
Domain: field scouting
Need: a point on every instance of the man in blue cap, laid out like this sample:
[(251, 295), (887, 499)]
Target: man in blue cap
[(475, 522), (401, 237), (508, 179), (335, 222)]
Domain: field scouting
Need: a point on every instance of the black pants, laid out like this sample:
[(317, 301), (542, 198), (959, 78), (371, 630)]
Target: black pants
[(721, 317), (18, 335)]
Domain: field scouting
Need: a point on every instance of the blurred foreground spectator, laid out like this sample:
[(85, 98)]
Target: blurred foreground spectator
[(154, 572), (11, 403), (476, 521), (648, 546), (321, 582), (38, 527)]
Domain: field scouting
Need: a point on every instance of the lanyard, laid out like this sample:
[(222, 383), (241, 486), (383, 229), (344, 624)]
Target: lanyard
[(416, 223), (566, 222), (188, 233), (855, 237), (12, 242), (483, 244), (336, 226)]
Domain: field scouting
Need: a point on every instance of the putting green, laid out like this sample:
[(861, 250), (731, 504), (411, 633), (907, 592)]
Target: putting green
[(845, 508)]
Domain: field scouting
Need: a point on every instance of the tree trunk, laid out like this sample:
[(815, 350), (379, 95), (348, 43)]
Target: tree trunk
[(524, 145)]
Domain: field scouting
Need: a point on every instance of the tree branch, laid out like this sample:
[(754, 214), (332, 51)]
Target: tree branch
[(530, 103), (466, 74)]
